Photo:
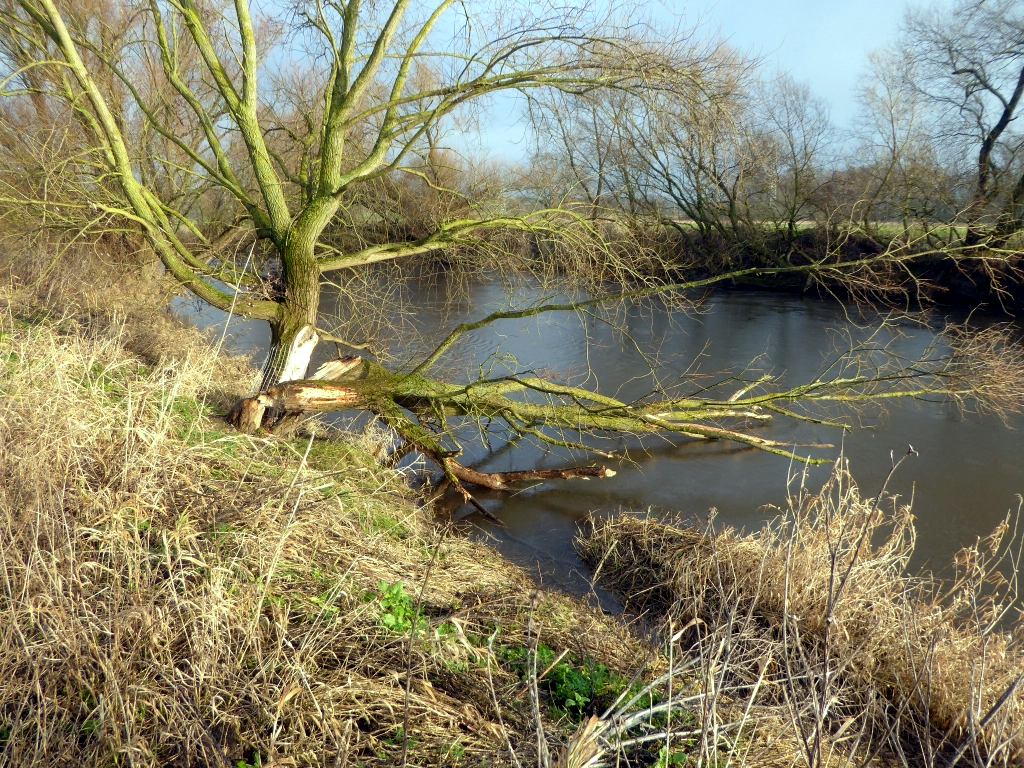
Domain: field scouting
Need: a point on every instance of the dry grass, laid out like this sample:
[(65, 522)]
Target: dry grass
[(176, 594), (809, 633)]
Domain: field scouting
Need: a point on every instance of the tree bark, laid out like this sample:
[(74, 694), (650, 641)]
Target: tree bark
[(293, 333), (500, 481)]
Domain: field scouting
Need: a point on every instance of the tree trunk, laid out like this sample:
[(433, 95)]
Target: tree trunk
[(293, 335), (286, 403)]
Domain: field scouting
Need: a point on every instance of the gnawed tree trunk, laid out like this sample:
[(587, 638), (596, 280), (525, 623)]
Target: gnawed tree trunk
[(247, 415), (290, 353), (335, 369), (292, 398), (299, 353)]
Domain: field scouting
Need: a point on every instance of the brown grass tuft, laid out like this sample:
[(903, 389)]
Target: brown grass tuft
[(820, 620), (174, 593)]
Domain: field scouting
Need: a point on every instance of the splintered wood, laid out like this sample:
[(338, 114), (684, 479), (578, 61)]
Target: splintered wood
[(319, 394)]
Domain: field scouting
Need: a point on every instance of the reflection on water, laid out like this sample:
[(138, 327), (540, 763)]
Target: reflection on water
[(967, 476)]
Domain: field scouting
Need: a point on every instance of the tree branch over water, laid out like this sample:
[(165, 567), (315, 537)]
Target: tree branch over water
[(978, 371)]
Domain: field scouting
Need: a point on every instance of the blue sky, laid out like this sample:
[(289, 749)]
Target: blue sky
[(824, 43)]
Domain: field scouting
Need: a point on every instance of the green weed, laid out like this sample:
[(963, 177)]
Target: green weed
[(384, 522), (397, 611), (573, 687), (667, 760)]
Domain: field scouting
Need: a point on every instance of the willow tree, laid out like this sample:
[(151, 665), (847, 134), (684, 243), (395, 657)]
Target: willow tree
[(206, 81)]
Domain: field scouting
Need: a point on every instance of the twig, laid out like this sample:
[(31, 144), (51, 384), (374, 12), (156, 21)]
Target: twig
[(412, 637), (532, 639), (984, 721), (494, 699)]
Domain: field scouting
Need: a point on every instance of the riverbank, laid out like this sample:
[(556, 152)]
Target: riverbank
[(815, 616), (176, 593)]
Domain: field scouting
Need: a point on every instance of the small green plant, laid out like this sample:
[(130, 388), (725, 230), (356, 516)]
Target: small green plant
[(456, 666), (326, 606), (397, 611), (277, 600), (385, 523), (90, 728), (667, 760), (574, 686), (455, 753), (399, 739)]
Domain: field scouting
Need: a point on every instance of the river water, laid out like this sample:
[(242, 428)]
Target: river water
[(966, 477)]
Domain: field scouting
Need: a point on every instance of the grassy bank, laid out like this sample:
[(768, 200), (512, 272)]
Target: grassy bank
[(175, 593)]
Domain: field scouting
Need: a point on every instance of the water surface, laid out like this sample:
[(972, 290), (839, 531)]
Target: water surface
[(966, 477)]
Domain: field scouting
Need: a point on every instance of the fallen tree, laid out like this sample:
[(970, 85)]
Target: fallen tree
[(982, 369)]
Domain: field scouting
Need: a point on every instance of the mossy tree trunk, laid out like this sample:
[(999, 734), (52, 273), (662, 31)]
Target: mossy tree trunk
[(293, 332)]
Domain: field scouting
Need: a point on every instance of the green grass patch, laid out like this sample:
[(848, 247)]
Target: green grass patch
[(385, 523), (397, 611), (573, 687)]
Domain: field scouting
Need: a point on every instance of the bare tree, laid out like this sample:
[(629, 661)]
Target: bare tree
[(728, 156), (385, 76), (797, 125), (678, 155), (969, 64)]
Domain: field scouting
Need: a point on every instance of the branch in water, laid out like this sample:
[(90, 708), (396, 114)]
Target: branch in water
[(500, 481)]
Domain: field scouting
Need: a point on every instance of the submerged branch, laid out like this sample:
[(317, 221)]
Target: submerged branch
[(500, 481), (981, 369)]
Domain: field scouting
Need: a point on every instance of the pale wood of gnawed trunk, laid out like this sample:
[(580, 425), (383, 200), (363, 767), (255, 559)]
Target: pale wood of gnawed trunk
[(319, 394)]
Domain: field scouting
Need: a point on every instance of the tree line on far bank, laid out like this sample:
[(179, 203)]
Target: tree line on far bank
[(748, 166)]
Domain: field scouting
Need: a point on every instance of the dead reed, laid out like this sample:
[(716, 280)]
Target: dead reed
[(174, 593), (810, 635)]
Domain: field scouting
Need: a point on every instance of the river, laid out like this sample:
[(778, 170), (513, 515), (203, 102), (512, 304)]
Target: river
[(966, 477)]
